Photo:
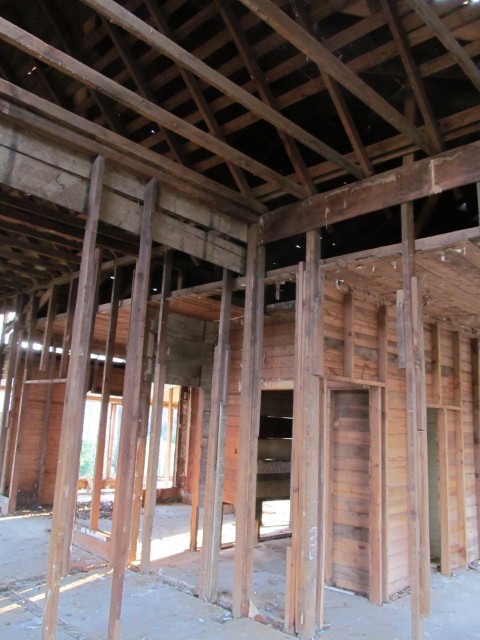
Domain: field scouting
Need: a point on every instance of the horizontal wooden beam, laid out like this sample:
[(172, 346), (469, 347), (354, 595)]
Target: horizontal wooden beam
[(423, 178), (62, 180), (74, 132), (454, 127)]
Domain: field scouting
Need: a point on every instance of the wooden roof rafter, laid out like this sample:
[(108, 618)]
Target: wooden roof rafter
[(317, 52), (338, 100), (448, 40), (28, 43), (265, 92), (195, 90), (143, 31), (65, 37)]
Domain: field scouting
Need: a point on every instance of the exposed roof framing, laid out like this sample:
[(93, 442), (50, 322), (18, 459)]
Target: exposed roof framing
[(235, 107)]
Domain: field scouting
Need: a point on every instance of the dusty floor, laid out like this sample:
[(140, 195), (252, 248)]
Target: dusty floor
[(155, 611)]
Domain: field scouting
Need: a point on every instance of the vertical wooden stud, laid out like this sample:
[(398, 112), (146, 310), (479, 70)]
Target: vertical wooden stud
[(46, 425), (375, 541), (47, 336), (476, 425), (415, 463), (212, 519), (459, 451), (148, 374), (196, 423), (382, 343), (104, 403), (292, 555), (249, 424), (67, 333), (10, 392), (157, 412), (309, 423), (131, 414), (72, 421), (444, 494), (325, 506)]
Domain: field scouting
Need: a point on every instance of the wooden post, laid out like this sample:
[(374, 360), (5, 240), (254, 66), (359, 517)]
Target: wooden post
[(31, 327), (325, 501), (382, 323), (139, 472), (249, 424), (291, 595), (11, 386), (156, 421), (46, 424), (131, 414), (414, 365), (444, 493), (476, 425), (27, 370), (168, 438), (67, 333), (375, 539), (311, 516), (459, 451), (149, 358), (212, 519), (47, 336), (107, 373), (196, 423), (421, 407), (72, 420)]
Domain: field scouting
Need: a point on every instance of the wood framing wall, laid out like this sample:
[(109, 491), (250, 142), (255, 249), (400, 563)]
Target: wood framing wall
[(360, 349), (38, 405)]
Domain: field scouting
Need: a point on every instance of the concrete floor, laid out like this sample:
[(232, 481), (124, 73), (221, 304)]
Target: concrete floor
[(152, 610)]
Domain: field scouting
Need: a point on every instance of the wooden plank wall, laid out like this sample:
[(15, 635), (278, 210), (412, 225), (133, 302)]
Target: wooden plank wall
[(191, 343), (456, 402)]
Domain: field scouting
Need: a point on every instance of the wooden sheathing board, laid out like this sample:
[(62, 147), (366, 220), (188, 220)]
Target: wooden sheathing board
[(350, 491), (278, 367), (33, 417)]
